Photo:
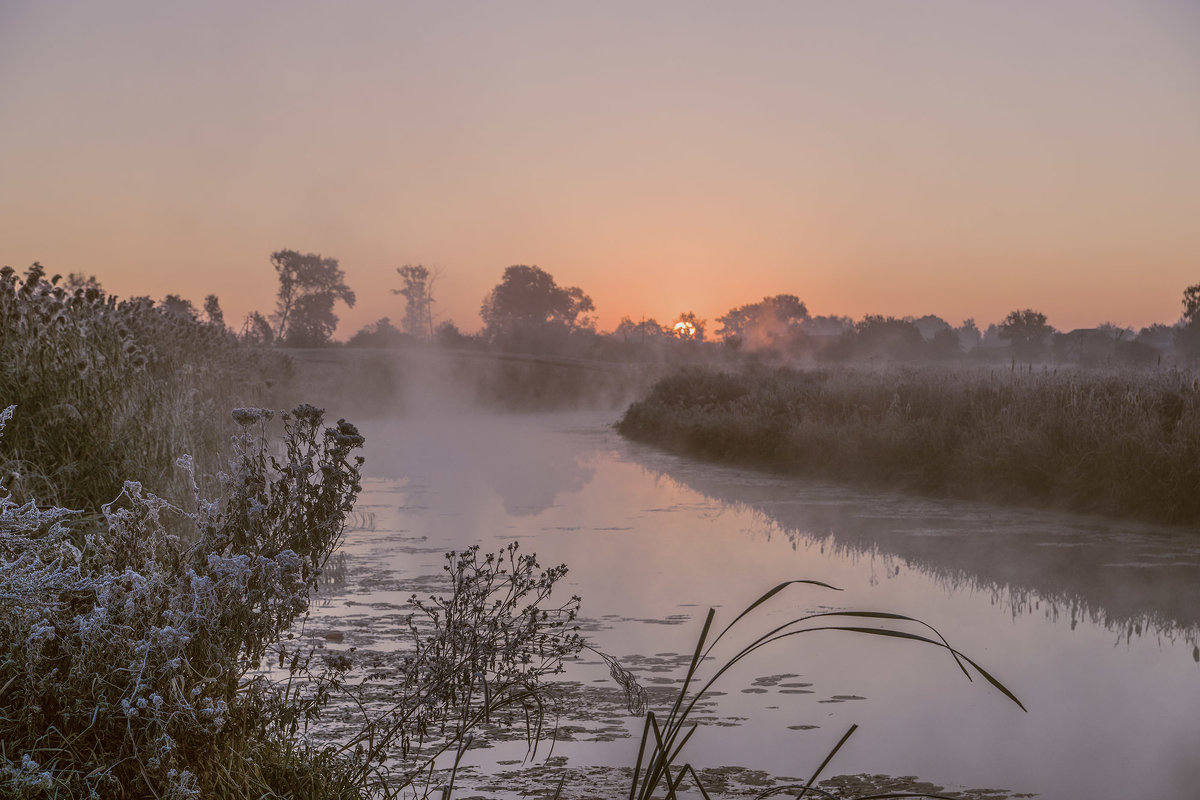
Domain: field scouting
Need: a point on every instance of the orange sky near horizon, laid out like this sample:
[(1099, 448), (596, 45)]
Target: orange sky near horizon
[(959, 159)]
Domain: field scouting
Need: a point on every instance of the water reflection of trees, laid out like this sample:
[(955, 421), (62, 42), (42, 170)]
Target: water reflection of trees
[(1131, 578), (472, 457)]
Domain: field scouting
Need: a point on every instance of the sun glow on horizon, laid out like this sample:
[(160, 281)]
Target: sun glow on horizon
[(684, 330)]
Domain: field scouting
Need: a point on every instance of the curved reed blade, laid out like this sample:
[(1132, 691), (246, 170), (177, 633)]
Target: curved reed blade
[(915, 637), (987, 676), (903, 618), (694, 665), (657, 766), (764, 598)]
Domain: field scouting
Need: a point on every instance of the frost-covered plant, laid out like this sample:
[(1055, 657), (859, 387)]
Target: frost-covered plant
[(131, 666), (108, 389)]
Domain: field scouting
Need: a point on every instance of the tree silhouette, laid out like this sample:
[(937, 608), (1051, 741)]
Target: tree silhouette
[(418, 299), (891, 337), (1187, 334), (212, 310), (968, 334), (448, 335), (647, 329), (309, 285), (381, 333), (930, 326), (1027, 331), (1191, 304), (773, 322), (174, 304), (256, 331), (528, 305)]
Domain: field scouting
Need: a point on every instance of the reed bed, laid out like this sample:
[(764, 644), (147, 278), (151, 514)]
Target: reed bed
[(1123, 443)]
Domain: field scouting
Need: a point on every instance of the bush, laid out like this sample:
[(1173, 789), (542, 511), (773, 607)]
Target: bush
[(131, 656)]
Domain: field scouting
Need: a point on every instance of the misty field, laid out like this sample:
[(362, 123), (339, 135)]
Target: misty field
[(1124, 443)]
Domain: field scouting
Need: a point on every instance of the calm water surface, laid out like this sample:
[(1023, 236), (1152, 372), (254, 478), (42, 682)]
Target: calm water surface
[(1093, 624)]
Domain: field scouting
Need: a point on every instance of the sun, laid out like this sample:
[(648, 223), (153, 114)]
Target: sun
[(685, 330)]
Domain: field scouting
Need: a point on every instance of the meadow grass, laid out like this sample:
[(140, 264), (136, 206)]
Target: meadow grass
[(1124, 443)]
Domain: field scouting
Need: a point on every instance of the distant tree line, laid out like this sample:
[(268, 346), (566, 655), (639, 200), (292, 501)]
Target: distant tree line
[(528, 311)]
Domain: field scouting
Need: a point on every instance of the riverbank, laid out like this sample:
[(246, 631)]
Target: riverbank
[(1124, 444)]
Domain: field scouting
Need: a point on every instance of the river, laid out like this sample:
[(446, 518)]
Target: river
[(1091, 623)]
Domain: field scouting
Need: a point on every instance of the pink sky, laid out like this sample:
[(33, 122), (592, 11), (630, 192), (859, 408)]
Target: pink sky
[(960, 159)]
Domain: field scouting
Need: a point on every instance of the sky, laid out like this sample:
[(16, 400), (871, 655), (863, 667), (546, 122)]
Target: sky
[(905, 157)]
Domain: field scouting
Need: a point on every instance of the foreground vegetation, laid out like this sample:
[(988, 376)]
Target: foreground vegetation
[(153, 652), (105, 390), (133, 643), (1122, 443)]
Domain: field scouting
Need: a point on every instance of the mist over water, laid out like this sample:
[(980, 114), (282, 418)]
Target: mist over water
[(1092, 623)]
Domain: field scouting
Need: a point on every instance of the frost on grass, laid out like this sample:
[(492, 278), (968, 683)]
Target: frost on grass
[(131, 641)]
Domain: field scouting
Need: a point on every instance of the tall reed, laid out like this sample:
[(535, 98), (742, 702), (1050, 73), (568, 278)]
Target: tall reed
[(661, 770), (1125, 443)]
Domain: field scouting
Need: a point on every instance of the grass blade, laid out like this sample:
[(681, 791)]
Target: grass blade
[(829, 757)]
